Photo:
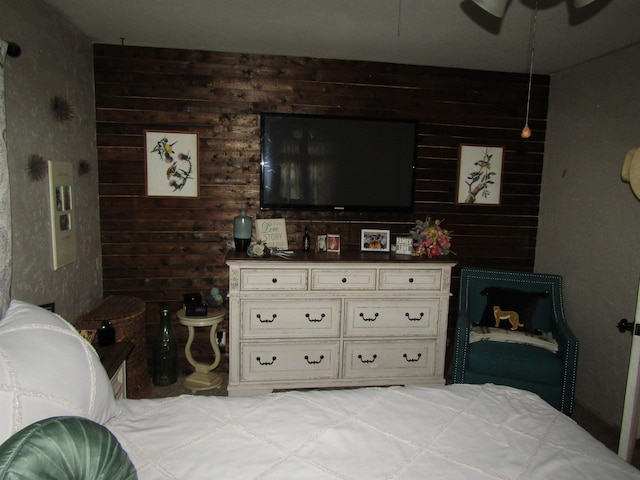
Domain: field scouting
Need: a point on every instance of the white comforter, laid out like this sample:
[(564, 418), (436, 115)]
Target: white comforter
[(453, 432)]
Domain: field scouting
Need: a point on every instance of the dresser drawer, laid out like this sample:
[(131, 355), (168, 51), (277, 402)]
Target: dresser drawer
[(273, 279), (418, 279), (289, 361), (388, 358), (286, 318), (348, 279), (119, 382), (391, 317)]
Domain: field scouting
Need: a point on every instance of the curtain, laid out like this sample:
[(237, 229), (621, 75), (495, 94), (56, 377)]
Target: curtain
[(5, 201)]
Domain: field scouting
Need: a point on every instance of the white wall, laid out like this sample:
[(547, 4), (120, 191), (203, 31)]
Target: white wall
[(589, 225), (56, 60)]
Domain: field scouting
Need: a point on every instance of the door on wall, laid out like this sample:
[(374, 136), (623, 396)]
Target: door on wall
[(629, 429)]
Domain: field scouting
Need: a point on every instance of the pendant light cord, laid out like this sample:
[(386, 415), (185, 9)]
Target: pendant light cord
[(533, 48)]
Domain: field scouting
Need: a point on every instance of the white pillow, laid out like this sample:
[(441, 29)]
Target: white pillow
[(47, 369)]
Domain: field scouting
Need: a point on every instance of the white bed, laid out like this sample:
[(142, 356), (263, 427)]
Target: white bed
[(451, 432)]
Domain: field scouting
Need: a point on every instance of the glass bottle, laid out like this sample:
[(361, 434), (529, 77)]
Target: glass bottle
[(242, 225), (165, 352), (306, 240)]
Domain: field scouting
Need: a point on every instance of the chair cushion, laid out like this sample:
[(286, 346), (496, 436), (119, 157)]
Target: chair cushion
[(511, 360), (510, 300), (480, 333)]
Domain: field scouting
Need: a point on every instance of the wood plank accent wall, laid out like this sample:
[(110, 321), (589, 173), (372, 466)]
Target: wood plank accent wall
[(159, 248)]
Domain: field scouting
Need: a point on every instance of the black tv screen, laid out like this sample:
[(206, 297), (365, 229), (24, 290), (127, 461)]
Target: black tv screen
[(337, 163)]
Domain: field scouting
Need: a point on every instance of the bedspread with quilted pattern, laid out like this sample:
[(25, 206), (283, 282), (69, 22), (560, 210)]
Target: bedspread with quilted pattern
[(457, 431)]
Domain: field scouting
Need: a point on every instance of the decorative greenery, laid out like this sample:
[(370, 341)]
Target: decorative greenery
[(62, 108), (429, 238), (84, 168), (257, 249), (36, 168)]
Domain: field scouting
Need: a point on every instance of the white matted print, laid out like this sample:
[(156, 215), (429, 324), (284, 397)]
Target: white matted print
[(480, 175), (172, 164), (374, 240), (63, 227)]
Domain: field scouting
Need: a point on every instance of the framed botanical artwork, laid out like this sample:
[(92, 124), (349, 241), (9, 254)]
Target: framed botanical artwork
[(333, 243), (374, 240), (172, 164), (480, 175)]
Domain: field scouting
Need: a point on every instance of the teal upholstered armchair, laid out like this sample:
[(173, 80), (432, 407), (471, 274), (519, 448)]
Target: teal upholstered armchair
[(551, 374)]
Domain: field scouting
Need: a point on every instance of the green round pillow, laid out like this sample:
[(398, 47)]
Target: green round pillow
[(69, 448)]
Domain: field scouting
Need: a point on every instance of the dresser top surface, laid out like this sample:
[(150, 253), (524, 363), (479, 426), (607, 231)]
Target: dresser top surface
[(346, 256)]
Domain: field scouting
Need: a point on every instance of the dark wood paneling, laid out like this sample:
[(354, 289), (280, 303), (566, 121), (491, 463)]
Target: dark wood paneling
[(158, 249)]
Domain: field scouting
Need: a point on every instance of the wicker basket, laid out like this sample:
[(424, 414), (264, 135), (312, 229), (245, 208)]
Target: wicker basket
[(127, 315)]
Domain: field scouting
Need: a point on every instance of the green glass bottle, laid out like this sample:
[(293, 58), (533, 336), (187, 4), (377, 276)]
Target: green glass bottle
[(165, 352)]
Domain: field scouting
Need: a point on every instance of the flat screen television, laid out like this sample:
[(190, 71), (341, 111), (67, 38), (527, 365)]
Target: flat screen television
[(337, 163)]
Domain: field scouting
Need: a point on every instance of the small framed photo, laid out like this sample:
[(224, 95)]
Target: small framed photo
[(374, 240), (333, 243), (321, 243), (404, 246), (480, 175)]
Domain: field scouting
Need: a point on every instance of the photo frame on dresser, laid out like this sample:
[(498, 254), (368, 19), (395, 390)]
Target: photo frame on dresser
[(372, 240), (321, 243), (333, 243), (404, 246)]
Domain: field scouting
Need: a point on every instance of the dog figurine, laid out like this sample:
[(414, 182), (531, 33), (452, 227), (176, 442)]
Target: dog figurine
[(513, 317)]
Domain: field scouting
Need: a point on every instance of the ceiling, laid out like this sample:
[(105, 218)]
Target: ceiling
[(447, 33)]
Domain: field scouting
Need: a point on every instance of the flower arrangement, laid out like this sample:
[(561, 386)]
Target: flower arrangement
[(429, 238), (257, 249)]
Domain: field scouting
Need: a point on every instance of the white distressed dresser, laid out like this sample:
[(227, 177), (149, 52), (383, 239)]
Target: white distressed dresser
[(336, 320)]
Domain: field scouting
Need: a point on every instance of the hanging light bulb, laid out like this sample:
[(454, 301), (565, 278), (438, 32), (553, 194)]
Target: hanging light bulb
[(526, 131)]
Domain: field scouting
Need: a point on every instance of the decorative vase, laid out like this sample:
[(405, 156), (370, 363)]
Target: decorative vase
[(242, 225), (165, 352)]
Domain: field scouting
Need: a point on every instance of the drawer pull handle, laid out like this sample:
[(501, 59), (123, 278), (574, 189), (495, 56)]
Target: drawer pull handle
[(344, 280), (274, 280), (370, 319), (411, 280), (414, 319), (266, 320), (266, 362), (412, 359), (373, 359), (315, 319), (313, 362)]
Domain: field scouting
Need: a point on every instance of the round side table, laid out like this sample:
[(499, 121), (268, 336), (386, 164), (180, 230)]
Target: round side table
[(203, 378)]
